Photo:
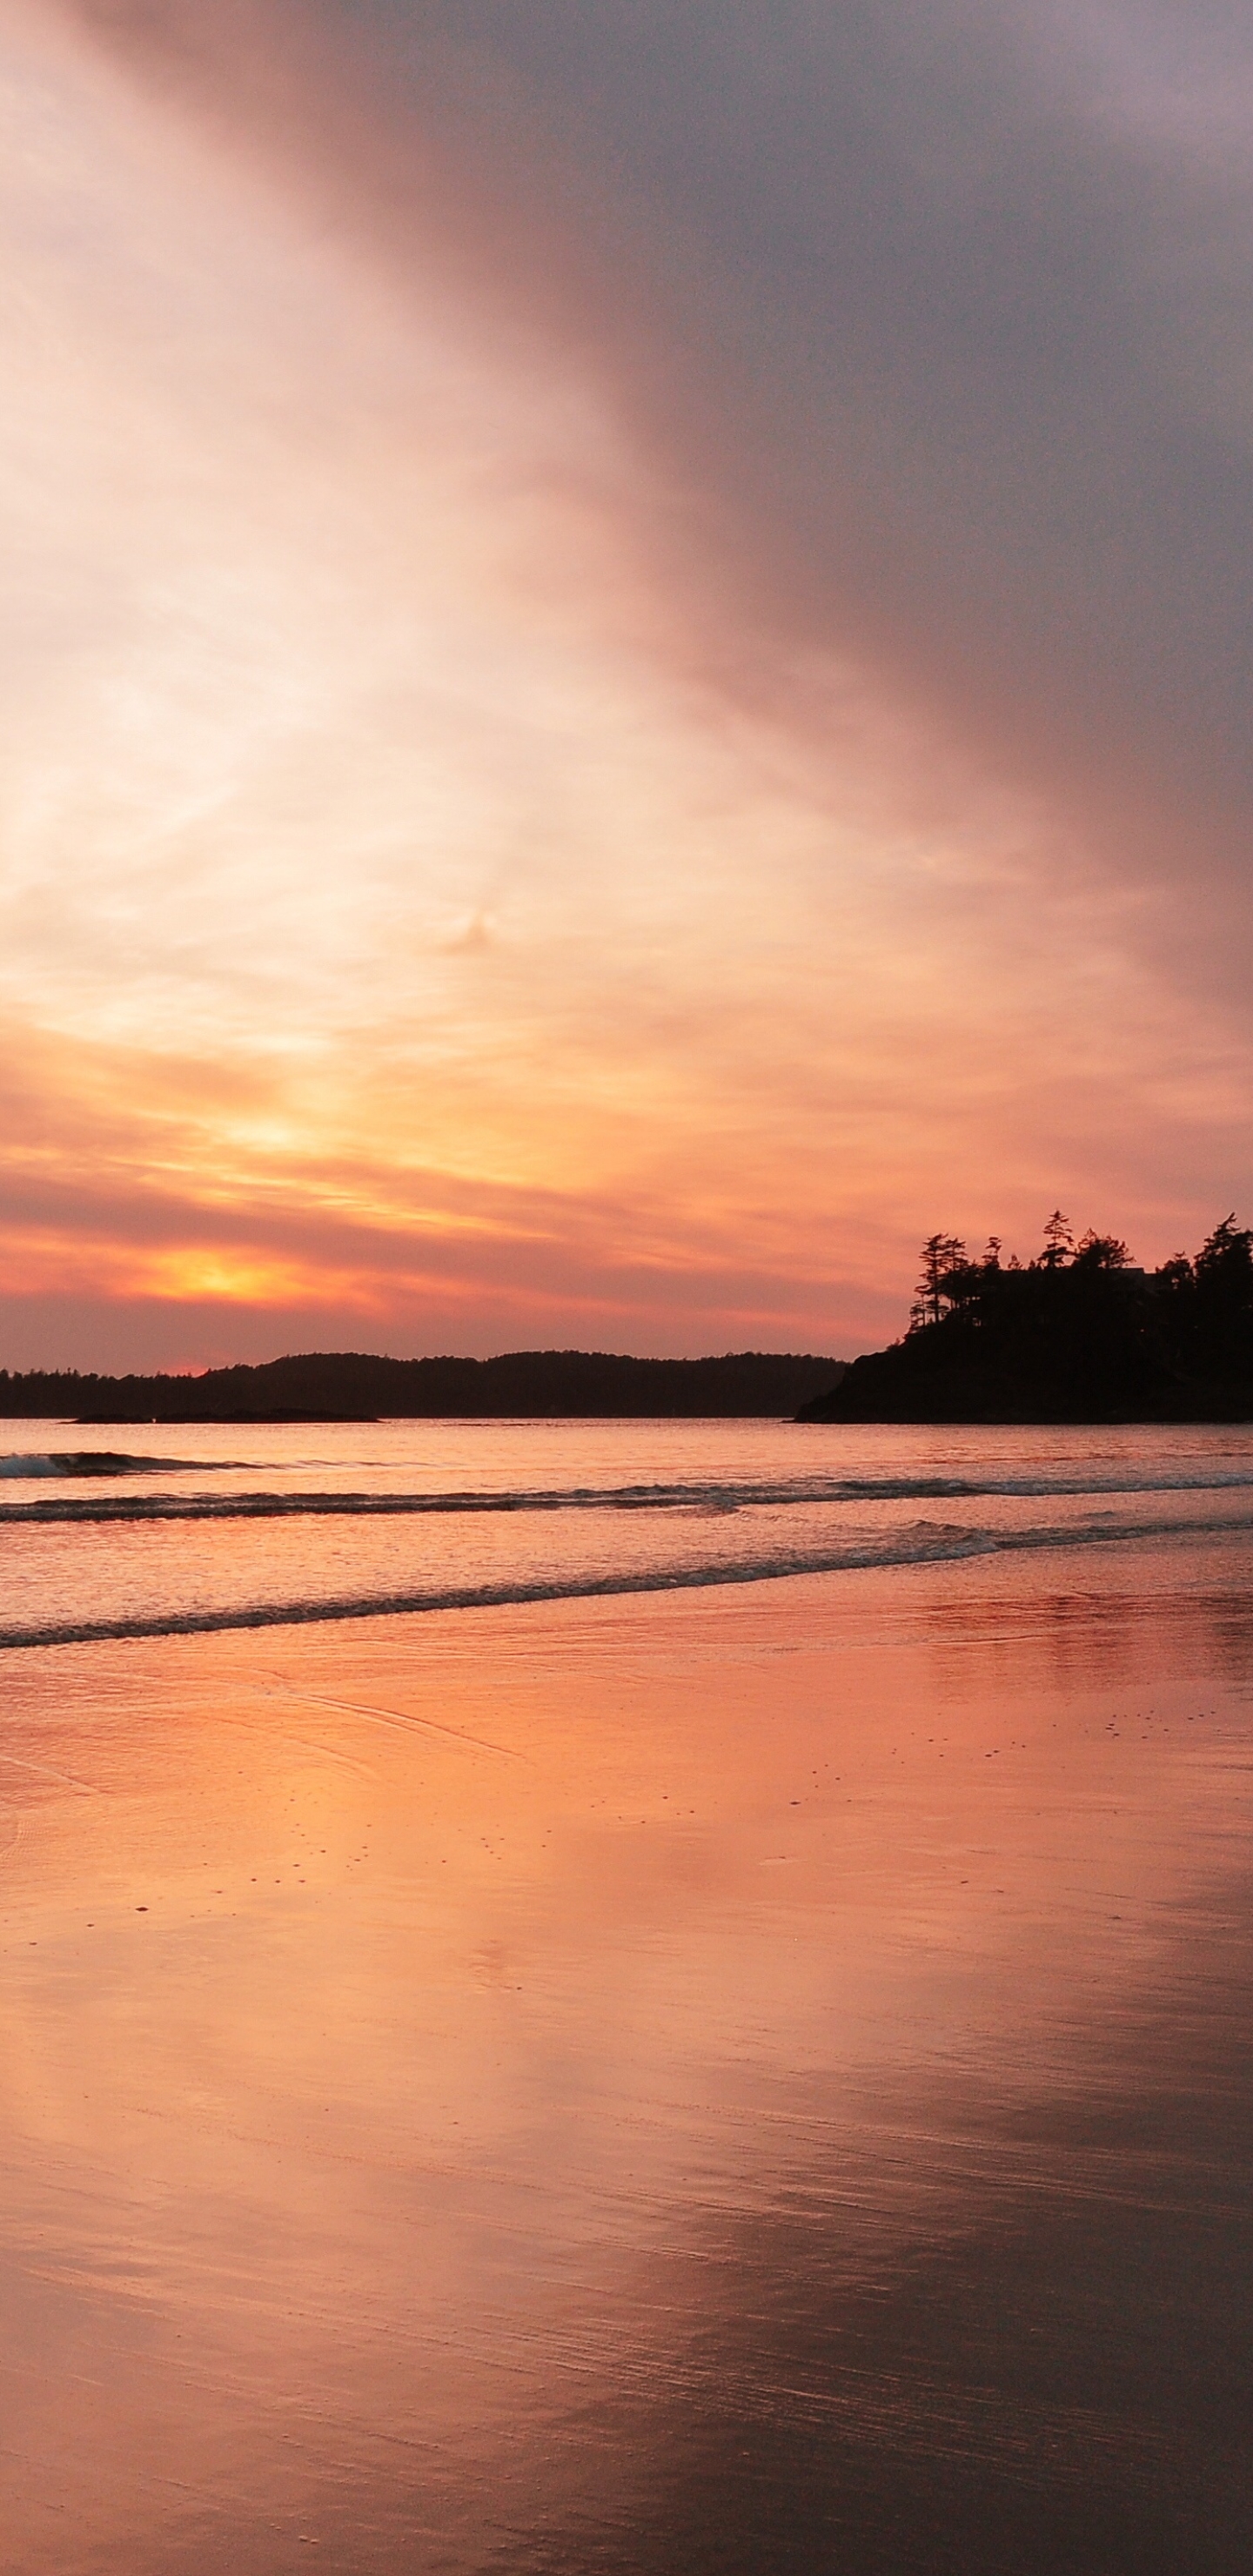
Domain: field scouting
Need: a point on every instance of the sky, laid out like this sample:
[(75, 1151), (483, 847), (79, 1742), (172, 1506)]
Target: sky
[(626, 662)]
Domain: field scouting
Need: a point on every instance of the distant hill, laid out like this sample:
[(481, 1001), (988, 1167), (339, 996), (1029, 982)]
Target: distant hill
[(328, 1386), (1078, 1335)]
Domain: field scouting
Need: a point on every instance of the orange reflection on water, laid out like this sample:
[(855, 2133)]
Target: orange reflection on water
[(475, 2086)]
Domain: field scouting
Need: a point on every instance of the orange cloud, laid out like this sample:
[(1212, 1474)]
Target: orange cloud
[(453, 888)]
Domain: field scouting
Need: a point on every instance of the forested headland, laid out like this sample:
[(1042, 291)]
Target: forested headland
[(1076, 1334), (354, 1386)]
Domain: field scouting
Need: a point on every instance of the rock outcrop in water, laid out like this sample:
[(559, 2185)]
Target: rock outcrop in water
[(353, 1386), (1077, 1335)]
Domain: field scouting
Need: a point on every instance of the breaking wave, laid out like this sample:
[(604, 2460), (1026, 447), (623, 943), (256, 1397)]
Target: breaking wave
[(32, 1465), (711, 1498), (923, 1543)]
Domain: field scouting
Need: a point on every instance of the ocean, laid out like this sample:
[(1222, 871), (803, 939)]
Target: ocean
[(626, 1999), (201, 1528)]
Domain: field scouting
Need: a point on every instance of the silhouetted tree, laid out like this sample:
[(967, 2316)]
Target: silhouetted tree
[(1176, 1273), (1222, 1297), (943, 1259), (1059, 1243), (1102, 1252), (1227, 1253)]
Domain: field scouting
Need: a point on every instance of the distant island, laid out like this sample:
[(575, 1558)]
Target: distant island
[(1078, 1334), (354, 1386)]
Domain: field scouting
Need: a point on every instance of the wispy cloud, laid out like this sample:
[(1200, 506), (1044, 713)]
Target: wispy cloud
[(625, 673)]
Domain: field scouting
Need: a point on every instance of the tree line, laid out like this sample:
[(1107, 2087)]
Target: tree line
[(354, 1386), (1197, 1308)]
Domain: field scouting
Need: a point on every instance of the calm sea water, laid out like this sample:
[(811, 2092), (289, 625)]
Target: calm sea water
[(656, 2070)]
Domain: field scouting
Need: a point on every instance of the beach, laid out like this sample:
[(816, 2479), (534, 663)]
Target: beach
[(626, 1290), (744, 2073)]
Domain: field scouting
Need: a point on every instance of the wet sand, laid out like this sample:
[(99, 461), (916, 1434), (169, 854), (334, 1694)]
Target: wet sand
[(747, 2081)]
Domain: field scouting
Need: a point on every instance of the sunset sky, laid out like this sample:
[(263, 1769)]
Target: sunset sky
[(626, 661)]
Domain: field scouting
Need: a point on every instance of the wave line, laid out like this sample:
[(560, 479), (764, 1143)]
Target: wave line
[(943, 1546), (707, 1498)]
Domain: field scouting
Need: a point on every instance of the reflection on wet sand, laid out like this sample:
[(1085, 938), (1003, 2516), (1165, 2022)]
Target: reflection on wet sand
[(716, 2082)]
